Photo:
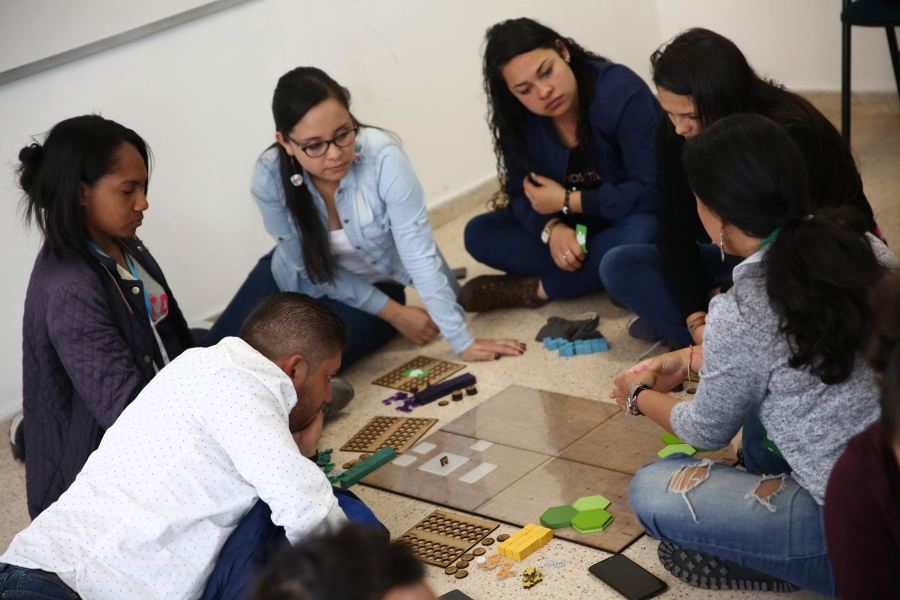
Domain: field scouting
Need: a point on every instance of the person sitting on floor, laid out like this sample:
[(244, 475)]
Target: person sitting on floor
[(100, 320), (782, 350), (348, 217), (318, 570), (218, 430), (574, 139), (702, 77), (862, 502)]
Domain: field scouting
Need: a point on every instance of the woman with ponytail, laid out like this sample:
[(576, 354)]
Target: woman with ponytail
[(348, 217), (862, 502), (100, 320), (783, 348)]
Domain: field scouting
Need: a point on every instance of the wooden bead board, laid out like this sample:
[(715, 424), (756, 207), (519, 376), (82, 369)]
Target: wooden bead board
[(440, 370), (399, 433), (442, 537)]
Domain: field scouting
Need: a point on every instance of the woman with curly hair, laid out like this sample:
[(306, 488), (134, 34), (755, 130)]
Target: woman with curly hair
[(574, 139)]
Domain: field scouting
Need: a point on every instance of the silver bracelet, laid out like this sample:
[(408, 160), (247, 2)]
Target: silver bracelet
[(631, 401)]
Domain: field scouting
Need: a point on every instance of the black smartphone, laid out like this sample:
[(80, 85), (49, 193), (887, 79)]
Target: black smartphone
[(627, 577), (454, 595)]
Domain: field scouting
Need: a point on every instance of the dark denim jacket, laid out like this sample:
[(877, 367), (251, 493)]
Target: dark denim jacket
[(87, 351)]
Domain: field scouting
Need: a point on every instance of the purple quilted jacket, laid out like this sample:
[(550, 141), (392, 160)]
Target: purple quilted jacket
[(88, 350)]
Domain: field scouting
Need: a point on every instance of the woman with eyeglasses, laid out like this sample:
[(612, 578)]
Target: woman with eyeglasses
[(348, 216), (574, 139)]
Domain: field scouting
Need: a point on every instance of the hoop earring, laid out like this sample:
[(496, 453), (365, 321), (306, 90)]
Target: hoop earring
[(296, 178), (722, 244)]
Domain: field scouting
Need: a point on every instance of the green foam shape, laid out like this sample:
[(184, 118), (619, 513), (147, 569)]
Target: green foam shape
[(591, 521), (590, 503), (668, 439), (675, 449), (558, 516), (352, 475)]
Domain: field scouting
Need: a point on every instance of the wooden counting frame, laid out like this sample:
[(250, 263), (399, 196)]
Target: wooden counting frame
[(399, 433), (442, 537), (440, 370)]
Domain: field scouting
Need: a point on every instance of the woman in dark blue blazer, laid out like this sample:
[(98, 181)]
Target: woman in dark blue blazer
[(574, 136)]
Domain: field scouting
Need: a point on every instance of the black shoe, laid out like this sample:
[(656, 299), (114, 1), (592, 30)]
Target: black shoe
[(709, 572), (17, 437), (341, 395)]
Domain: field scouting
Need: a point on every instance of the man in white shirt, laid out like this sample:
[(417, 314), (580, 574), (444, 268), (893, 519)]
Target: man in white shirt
[(213, 432)]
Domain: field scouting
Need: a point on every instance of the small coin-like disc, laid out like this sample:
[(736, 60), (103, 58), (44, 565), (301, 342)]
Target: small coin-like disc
[(450, 570), (478, 551), (467, 557), (480, 560), (462, 574), (443, 403), (487, 541), (462, 564), (560, 563), (502, 537)]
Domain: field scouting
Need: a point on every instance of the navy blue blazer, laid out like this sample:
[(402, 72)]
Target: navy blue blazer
[(624, 117)]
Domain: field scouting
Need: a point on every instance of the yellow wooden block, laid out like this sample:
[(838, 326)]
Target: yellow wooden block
[(515, 554), (545, 534), (503, 549)]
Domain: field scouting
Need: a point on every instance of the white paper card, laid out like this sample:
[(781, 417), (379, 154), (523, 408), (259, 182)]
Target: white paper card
[(477, 473), (481, 445), (424, 448), (453, 462), (403, 460)]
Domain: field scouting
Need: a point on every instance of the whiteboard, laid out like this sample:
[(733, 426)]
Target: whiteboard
[(39, 34)]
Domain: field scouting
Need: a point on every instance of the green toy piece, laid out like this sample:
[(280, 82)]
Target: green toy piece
[(416, 373), (668, 439), (581, 236), (590, 503), (591, 521), (676, 448), (558, 516), (352, 475)]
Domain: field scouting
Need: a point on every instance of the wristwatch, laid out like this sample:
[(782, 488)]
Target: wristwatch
[(545, 234)]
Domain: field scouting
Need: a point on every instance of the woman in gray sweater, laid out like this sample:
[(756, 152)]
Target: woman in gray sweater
[(781, 355)]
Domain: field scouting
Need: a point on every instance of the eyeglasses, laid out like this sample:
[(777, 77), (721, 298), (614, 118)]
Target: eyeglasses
[(320, 148)]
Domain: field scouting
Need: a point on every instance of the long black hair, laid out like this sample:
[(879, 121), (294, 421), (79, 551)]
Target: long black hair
[(505, 41), (297, 92), (713, 71), (354, 562), (77, 151), (884, 354), (819, 269)]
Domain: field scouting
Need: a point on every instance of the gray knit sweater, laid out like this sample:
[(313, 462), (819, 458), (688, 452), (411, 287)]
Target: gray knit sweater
[(745, 367)]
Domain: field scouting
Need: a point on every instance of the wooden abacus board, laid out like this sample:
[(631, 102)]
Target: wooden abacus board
[(442, 537), (439, 370), (399, 433)]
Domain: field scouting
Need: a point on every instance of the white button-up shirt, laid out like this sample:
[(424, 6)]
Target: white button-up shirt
[(174, 476)]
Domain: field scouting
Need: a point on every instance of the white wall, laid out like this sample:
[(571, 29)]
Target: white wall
[(200, 95), (797, 42)]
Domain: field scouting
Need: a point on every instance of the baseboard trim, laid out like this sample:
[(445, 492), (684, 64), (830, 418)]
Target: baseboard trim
[(445, 209)]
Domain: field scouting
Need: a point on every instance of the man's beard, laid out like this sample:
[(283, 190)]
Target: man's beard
[(305, 410)]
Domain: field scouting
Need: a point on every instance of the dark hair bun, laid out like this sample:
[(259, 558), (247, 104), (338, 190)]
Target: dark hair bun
[(31, 158)]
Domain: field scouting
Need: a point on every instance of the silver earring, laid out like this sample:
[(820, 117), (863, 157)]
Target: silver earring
[(296, 178), (568, 58), (722, 244)]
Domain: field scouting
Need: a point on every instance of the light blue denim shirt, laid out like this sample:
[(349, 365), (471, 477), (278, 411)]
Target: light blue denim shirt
[(381, 205)]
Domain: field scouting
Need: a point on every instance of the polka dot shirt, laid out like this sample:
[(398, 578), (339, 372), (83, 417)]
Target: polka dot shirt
[(174, 476)]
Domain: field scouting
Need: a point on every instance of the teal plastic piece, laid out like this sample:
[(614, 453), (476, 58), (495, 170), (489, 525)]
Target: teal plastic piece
[(352, 475), (567, 349), (552, 343), (676, 448), (599, 345)]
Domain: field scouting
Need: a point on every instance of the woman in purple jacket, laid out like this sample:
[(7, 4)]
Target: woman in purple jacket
[(574, 139), (100, 319)]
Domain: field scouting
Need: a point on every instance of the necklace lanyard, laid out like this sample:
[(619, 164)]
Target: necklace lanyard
[(134, 274)]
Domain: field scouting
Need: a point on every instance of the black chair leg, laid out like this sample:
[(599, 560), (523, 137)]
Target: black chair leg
[(845, 83), (895, 54)]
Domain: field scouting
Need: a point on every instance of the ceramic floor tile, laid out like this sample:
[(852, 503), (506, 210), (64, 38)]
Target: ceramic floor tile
[(536, 420)]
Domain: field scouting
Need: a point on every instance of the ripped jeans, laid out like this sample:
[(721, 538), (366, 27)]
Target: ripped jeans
[(782, 535)]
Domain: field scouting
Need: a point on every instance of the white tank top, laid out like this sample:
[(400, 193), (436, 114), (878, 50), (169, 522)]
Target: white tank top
[(348, 260)]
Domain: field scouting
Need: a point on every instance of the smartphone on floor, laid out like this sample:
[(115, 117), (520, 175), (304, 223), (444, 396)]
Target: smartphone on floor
[(627, 577)]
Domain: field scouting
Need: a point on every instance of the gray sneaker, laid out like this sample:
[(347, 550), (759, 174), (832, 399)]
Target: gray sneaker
[(341, 395), (17, 437)]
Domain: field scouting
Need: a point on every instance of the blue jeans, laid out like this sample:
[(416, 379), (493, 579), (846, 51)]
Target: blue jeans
[(497, 239), (19, 583), (632, 274), (783, 536), (365, 333)]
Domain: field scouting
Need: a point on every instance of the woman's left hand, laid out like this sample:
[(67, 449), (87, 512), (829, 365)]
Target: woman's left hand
[(625, 381), (547, 197)]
